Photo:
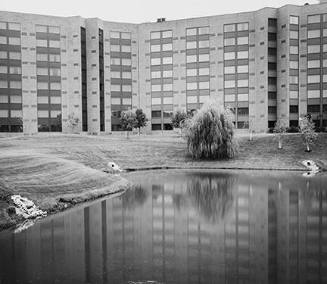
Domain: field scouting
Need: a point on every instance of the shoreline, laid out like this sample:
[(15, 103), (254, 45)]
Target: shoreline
[(59, 171)]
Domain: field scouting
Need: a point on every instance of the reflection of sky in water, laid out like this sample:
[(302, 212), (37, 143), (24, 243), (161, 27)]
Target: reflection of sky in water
[(204, 227)]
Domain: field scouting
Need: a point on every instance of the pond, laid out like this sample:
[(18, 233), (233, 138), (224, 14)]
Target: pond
[(182, 227)]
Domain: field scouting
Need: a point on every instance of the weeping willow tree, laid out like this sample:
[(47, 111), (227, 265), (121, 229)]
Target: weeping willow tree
[(212, 195), (210, 133)]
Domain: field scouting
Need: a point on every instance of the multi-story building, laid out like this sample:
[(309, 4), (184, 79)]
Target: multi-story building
[(266, 65)]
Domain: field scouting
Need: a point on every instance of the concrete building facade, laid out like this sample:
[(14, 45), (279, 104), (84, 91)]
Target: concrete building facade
[(72, 74)]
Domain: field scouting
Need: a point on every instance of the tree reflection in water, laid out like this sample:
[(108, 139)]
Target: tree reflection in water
[(211, 195), (134, 197)]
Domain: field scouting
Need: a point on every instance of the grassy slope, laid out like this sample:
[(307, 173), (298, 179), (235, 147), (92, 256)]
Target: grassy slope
[(46, 168)]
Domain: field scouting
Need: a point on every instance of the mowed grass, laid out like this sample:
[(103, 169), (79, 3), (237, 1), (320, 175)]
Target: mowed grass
[(46, 168)]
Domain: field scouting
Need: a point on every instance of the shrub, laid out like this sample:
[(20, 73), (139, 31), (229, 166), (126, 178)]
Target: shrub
[(128, 120), (210, 133), (178, 119), (293, 129), (72, 122)]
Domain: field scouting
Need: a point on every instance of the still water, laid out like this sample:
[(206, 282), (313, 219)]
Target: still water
[(182, 227)]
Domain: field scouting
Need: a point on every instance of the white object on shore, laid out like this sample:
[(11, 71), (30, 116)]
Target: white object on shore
[(113, 168), (25, 225), (26, 207), (312, 167)]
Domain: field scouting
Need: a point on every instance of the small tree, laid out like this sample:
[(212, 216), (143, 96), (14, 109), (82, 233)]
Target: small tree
[(128, 121), (307, 129), (210, 133), (72, 121), (141, 119), (280, 129), (178, 118)]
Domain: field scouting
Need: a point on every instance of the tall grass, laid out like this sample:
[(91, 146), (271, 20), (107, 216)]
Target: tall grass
[(210, 133)]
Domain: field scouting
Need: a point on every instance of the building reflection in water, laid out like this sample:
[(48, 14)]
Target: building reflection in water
[(192, 228)]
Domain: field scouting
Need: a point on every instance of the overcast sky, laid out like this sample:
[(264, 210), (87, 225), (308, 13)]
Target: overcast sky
[(139, 11)]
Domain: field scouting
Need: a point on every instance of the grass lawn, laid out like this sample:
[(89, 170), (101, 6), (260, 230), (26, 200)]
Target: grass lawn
[(47, 168)]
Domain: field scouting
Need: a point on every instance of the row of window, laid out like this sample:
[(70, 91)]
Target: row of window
[(161, 47), (121, 88), (48, 71), (162, 74), (10, 70), (313, 94), (161, 34), (121, 101), (4, 113), (317, 33), (162, 87), (317, 18), (120, 35), (46, 113), (238, 55), (48, 57), (197, 99), (236, 27), (317, 63), (120, 48), (198, 72), (10, 55), (197, 31), (312, 79), (317, 48), (162, 60), (121, 61), (45, 86), (47, 43), (45, 99), (13, 99), (157, 114), (123, 75), (198, 85), (240, 98), (10, 40), (4, 84), (236, 41), (197, 44), (243, 83), (236, 69), (163, 100), (197, 58), (9, 26), (312, 19), (200, 31), (47, 29)]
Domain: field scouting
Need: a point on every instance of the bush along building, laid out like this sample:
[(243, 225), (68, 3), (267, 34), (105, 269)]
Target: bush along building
[(266, 65)]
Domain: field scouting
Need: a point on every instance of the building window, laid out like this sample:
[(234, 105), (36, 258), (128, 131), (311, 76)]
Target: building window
[(294, 20), (313, 19), (294, 109), (313, 33), (313, 63), (313, 48), (313, 79)]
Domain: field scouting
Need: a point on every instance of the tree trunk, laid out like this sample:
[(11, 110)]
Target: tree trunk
[(251, 135), (280, 143), (139, 131), (308, 147)]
